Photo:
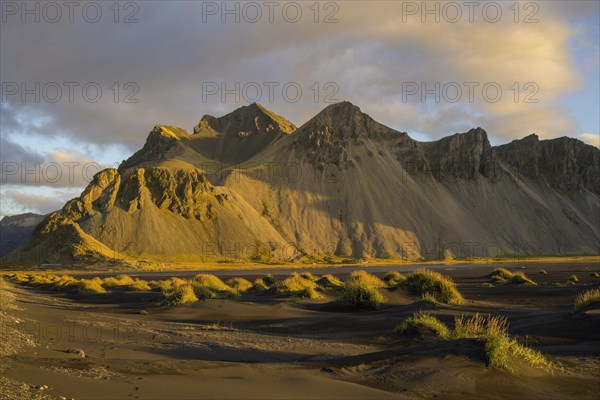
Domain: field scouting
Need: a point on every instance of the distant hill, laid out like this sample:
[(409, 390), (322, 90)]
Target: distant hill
[(16, 230), (252, 186)]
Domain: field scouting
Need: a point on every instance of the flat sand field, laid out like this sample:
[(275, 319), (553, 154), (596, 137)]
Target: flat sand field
[(127, 345)]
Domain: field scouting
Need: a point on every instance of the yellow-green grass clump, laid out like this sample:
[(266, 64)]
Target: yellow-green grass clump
[(40, 280), (595, 275), (329, 281), (543, 272), (441, 287), (501, 275), (499, 347), (309, 276), (298, 286), (394, 278), (361, 290), (504, 275), (239, 285), (209, 286), (20, 277), (119, 280), (520, 278), (165, 285), (180, 295), (92, 286), (269, 280), (64, 282), (422, 322), (586, 298), (139, 285), (259, 285), (573, 279)]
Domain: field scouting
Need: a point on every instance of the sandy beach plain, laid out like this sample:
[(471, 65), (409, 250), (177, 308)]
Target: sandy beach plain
[(61, 343)]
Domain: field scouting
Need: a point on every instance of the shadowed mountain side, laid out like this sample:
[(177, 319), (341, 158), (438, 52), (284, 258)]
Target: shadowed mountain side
[(239, 135), (16, 230), (341, 184)]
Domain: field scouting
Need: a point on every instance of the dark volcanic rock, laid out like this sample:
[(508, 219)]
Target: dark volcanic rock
[(565, 163)]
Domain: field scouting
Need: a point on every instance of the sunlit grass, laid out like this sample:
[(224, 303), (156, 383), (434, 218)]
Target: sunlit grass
[(504, 275), (298, 286), (586, 298), (394, 278), (423, 322), (499, 347), (361, 290), (441, 287)]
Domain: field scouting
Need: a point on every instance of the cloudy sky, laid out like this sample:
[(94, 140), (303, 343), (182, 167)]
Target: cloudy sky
[(82, 85)]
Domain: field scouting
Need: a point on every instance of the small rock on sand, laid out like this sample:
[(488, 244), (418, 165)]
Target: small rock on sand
[(78, 352)]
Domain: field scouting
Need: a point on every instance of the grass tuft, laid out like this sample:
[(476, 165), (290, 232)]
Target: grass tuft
[(269, 280), (573, 279), (585, 299), (119, 280), (180, 295), (259, 285), (329, 281), (239, 285), (361, 290), (422, 322), (298, 286), (501, 275), (139, 285), (506, 276), (92, 286), (441, 287), (499, 347), (394, 278)]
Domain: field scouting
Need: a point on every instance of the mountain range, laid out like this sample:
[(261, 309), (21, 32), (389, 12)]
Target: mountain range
[(251, 185)]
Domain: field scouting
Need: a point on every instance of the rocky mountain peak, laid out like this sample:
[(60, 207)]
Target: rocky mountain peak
[(251, 120), (159, 146), (462, 155), (565, 163)]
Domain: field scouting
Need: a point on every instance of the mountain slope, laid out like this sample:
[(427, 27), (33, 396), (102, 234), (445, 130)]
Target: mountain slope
[(341, 184), (16, 230)]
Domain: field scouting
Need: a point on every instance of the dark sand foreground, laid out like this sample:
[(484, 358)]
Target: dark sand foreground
[(263, 347)]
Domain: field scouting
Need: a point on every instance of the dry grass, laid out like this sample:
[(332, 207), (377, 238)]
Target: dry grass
[(298, 286), (90, 286), (20, 278), (329, 281), (543, 272), (441, 287), (361, 290), (499, 347), (394, 278), (573, 279), (165, 285), (269, 280), (209, 286), (259, 285), (506, 276), (501, 275), (180, 295), (585, 299), (239, 285), (119, 280), (309, 276), (422, 322), (139, 285)]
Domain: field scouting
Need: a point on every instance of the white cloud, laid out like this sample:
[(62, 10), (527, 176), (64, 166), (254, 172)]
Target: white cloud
[(590, 138)]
